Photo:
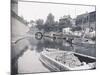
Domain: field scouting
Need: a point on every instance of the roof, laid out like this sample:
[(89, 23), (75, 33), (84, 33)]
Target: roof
[(85, 14)]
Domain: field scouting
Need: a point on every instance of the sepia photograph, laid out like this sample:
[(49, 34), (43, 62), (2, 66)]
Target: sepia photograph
[(52, 37)]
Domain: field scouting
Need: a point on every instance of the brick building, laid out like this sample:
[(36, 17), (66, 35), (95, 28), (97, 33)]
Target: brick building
[(87, 20)]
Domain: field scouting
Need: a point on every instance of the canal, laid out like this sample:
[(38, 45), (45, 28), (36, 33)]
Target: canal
[(28, 61)]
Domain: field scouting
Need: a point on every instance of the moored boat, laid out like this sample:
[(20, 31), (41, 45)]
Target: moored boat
[(66, 60)]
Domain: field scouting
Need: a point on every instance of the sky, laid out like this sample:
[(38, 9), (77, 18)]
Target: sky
[(34, 11)]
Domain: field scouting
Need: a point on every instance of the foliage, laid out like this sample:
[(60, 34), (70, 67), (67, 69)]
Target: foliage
[(51, 25), (39, 23), (50, 19)]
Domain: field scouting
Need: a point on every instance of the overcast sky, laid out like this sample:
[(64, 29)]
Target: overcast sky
[(34, 11)]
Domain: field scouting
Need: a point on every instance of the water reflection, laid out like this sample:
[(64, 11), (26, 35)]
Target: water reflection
[(29, 63), (45, 43), (28, 59), (87, 49)]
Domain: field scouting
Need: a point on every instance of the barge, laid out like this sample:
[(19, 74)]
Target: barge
[(58, 60)]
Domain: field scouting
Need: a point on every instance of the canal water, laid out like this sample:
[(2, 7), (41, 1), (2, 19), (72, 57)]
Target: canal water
[(28, 61)]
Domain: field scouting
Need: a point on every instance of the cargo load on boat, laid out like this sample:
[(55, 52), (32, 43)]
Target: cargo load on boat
[(67, 60)]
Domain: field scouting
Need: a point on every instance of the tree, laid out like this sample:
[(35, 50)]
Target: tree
[(51, 24), (64, 22), (32, 23), (39, 23), (50, 20)]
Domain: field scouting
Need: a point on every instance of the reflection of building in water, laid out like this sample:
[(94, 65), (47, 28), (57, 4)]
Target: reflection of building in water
[(86, 20)]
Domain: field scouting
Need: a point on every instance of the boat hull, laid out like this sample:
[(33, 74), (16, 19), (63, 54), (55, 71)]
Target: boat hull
[(57, 66)]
